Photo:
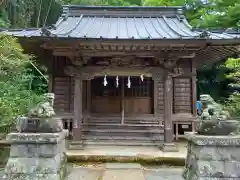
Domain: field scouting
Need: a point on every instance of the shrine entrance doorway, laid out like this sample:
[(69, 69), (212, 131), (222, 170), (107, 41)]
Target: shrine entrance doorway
[(122, 95)]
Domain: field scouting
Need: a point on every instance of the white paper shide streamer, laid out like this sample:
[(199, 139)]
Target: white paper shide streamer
[(117, 81), (141, 77), (105, 81), (129, 82)]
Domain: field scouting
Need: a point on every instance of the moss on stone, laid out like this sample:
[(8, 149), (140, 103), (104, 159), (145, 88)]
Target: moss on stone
[(123, 159), (4, 154)]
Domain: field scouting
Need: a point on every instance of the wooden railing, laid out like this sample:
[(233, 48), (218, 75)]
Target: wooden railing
[(67, 120)]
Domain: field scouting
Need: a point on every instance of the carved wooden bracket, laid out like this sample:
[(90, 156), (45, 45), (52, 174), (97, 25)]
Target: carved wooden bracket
[(80, 60), (78, 72), (170, 60), (157, 77)]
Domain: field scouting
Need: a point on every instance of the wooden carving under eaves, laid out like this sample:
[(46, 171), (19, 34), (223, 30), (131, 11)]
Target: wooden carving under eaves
[(79, 61), (82, 73), (123, 61), (89, 72)]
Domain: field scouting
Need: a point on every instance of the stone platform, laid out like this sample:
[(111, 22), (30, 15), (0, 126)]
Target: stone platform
[(123, 154), (36, 156), (212, 157)]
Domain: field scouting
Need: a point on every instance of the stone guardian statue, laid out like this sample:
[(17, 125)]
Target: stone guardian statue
[(41, 118)]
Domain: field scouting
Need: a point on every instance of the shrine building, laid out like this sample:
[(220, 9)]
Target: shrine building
[(125, 75)]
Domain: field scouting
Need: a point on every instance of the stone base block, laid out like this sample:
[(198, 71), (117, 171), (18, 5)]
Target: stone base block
[(75, 145), (169, 147), (36, 156), (212, 157)]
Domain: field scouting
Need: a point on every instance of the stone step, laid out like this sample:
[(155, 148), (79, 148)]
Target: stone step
[(122, 143)]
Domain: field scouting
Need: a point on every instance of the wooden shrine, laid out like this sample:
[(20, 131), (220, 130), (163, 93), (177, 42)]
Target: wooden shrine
[(125, 75)]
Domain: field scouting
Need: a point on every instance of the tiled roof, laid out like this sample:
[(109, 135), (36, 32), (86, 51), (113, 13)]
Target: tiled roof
[(22, 32), (123, 23)]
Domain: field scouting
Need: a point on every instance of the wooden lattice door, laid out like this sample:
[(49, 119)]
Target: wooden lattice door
[(105, 99), (139, 97)]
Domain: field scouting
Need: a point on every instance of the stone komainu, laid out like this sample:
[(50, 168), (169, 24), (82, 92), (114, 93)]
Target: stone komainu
[(215, 120), (41, 119)]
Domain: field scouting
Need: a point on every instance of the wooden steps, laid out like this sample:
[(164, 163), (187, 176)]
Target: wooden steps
[(107, 131), (122, 143)]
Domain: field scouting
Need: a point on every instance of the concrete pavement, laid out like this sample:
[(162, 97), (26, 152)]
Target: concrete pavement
[(118, 171)]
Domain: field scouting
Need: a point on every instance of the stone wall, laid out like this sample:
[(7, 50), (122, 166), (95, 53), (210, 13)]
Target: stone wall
[(212, 157)]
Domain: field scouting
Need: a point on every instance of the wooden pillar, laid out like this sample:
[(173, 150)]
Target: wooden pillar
[(122, 100), (168, 126), (157, 96), (77, 123), (89, 92), (50, 83), (194, 88)]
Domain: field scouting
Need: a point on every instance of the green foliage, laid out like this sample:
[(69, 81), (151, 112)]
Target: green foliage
[(224, 14), (164, 2), (103, 2), (30, 13), (234, 65), (15, 95), (233, 102), (12, 59), (212, 80), (4, 23)]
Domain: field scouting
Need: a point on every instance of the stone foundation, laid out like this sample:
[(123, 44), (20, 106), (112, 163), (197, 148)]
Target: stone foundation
[(212, 157), (36, 156)]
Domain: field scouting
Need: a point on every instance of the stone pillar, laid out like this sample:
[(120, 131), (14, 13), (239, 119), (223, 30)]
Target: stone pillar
[(40, 156), (168, 145)]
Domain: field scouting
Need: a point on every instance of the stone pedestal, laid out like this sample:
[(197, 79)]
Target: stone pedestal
[(212, 157), (36, 156)]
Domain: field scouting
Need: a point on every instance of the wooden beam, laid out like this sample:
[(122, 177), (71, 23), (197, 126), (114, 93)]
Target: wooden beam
[(120, 52), (89, 72)]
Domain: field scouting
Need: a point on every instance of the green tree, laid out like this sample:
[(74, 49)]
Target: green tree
[(29, 13), (103, 2), (224, 14), (15, 95), (233, 102)]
